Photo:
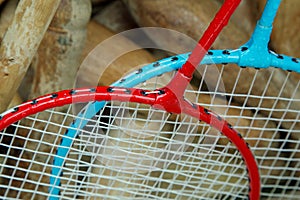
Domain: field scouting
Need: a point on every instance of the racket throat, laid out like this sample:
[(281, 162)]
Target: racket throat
[(168, 102), (170, 98)]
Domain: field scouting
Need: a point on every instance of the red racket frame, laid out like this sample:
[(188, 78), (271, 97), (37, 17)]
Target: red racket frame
[(138, 96), (169, 98)]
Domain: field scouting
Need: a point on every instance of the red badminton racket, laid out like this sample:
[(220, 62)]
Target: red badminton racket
[(140, 165)]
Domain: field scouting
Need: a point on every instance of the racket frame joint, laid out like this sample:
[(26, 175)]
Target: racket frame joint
[(168, 100), (255, 53)]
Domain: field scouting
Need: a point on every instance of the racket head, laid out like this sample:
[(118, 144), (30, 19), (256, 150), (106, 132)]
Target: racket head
[(128, 150)]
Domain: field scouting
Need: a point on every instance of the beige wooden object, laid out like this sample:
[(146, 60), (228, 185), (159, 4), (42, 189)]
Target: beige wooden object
[(189, 17), (58, 56), (108, 66), (20, 43), (55, 67), (17, 100), (245, 15), (7, 15), (116, 17)]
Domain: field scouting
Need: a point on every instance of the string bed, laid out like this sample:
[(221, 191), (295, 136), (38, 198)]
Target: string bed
[(132, 151), (263, 105)]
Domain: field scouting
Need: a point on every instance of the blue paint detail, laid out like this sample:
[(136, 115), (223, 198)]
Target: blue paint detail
[(257, 49), (269, 13), (256, 55)]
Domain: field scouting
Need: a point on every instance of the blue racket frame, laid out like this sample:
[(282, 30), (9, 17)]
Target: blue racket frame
[(255, 53)]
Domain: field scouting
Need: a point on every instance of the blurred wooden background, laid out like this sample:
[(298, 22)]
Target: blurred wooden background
[(41, 49)]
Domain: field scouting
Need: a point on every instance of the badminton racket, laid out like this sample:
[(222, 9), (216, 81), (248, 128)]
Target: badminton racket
[(185, 160), (154, 98)]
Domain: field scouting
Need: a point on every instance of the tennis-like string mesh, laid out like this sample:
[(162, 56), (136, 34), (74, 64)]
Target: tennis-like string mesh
[(131, 151)]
